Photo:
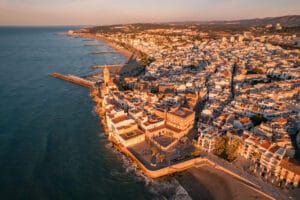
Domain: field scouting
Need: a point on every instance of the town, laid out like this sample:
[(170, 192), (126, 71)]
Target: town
[(232, 98)]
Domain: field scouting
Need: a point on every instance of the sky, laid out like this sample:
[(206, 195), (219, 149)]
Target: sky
[(103, 12)]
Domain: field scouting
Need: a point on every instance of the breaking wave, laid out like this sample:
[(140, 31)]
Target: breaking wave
[(162, 188)]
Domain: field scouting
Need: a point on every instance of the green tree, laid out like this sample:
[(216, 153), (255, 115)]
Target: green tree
[(258, 119), (220, 145), (232, 149)]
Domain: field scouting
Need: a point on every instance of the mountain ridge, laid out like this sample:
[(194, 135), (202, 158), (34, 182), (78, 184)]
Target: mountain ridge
[(287, 21)]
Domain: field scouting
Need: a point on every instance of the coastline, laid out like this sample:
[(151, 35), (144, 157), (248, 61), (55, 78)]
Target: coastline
[(127, 54), (199, 180), (112, 44), (198, 172), (131, 66), (229, 182)]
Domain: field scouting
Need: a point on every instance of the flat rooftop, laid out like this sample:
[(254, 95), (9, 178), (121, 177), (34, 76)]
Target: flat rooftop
[(131, 134), (182, 112)]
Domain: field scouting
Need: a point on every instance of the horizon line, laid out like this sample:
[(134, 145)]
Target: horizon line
[(143, 22)]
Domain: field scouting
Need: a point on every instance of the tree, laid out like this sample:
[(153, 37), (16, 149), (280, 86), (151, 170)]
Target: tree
[(232, 149), (220, 146), (258, 119), (226, 148)]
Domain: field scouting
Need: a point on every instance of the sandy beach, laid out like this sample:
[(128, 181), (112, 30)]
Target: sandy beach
[(130, 68), (108, 42), (208, 183), (112, 44)]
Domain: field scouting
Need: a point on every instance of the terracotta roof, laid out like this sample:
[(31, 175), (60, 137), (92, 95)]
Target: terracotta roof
[(120, 118), (281, 120), (254, 108), (266, 144), (244, 119), (245, 136), (111, 115), (108, 110), (274, 148), (111, 83), (254, 136)]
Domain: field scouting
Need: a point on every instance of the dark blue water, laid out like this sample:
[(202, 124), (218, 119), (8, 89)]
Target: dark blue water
[(51, 142)]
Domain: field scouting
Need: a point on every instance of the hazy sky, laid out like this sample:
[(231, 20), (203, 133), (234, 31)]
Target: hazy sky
[(92, 12)]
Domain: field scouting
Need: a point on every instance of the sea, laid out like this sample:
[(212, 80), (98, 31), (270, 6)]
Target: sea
[(52, 145)]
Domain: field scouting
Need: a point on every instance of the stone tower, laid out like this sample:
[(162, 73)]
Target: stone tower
[(106, 74)]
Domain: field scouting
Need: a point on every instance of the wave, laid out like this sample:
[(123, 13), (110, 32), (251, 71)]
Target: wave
[(162, 188), (115, 172), (102, 135), (168, 188), (94, 112), (109, 145)]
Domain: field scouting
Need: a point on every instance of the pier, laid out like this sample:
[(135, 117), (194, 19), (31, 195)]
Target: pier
[(94, 45), (102, 52), (74, 79), (109, 66)]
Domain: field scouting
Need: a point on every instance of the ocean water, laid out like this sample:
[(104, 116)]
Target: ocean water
[(51, 142)]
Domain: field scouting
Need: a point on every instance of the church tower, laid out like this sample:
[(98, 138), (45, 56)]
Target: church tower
[(106, 74)]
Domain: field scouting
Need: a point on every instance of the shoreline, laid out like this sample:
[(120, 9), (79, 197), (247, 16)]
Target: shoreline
[(126, 53), (213, 169), (130, 67), (187, 166), (194, 175), (199, 180)]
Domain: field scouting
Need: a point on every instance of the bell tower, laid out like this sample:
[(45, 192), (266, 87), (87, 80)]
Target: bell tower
[(106, 74)]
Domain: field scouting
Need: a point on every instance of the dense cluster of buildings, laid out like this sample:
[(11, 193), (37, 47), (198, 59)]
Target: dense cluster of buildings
[(217, 87), (135, 116)]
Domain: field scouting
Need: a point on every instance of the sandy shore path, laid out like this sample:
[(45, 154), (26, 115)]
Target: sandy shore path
[(208, 183)]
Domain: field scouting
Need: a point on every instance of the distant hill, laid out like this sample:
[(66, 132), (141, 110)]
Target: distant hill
[(287, 21), (291, 22)]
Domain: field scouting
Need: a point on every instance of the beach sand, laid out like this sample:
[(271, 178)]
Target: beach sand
[(131, 67), (112, 44), (206, 183), (108, 42)]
